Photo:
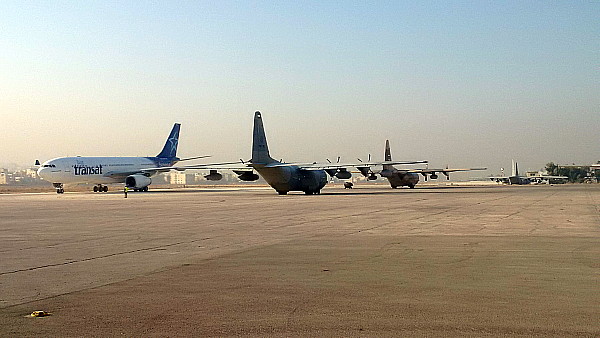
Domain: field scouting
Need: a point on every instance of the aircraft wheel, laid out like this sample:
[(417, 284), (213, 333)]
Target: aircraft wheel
[(281, 192), (308, 192), (412, 186), (105, 189), (60, 191), (394, 187), (145, 189), (95, 188)]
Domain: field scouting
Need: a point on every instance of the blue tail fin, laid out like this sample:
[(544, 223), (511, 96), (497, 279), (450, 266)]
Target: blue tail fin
[(170, 148)]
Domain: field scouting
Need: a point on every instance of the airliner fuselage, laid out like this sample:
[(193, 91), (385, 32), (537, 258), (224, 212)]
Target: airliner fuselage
[(96, 170), (135, 172)]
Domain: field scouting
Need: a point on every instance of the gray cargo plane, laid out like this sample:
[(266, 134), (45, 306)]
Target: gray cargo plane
[(410, 177), (282, 178), (307, 177), (515, 178)]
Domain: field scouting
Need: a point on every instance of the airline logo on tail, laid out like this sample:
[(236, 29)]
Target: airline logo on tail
[(172, 143), (170, 148)]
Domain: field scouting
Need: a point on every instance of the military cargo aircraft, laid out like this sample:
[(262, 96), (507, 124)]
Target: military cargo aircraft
[(307, 177), (515, 178), (410, 177)]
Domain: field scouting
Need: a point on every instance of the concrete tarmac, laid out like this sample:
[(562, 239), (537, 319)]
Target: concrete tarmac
[(431, 261)]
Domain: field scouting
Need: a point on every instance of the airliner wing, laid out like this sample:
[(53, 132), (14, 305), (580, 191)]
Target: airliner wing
[(187, 167), (120, 175), (152, 171)]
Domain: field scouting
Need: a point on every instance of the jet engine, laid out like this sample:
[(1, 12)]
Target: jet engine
[(213, 176), (137, 181), (247, 175)]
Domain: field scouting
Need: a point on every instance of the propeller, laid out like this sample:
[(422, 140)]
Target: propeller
[(333, 171), (368, 159), (338, 160)]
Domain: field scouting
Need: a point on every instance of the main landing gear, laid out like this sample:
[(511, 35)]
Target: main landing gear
[(144, 189), (100, 188), (59, 188)]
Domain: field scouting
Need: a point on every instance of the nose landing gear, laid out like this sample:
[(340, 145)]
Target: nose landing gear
[(59, 188)]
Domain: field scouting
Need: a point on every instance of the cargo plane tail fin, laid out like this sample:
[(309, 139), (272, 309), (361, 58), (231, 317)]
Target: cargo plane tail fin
[(260, 149)]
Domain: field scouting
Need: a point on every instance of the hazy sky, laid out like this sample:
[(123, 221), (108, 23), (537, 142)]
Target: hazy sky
[(465, 83)]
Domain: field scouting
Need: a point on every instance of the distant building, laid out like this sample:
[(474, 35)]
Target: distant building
[(534, 173), (181, 178), (3, 176), (31, 172)]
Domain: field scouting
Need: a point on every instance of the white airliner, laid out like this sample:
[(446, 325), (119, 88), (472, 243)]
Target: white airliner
[(135, 172)]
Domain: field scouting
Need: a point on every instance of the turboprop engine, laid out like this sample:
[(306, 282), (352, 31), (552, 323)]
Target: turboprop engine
[(247, 175), (137, 181), (213, 175), (343, 174)]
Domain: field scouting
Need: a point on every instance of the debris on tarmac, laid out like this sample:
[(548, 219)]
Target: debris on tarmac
[(40, 314)]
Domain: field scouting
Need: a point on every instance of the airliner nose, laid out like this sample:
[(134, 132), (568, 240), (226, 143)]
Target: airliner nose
[(41, 172)]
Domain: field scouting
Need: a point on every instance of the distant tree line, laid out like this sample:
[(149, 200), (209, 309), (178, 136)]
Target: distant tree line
[(576, 174)]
